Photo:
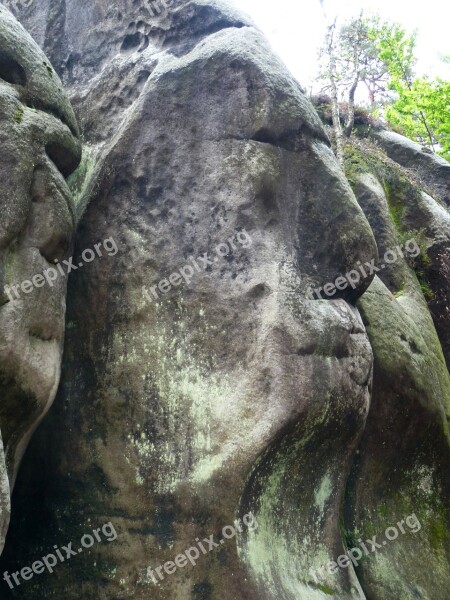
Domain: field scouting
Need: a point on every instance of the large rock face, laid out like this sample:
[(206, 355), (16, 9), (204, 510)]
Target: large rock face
[(202, 381), (39, 148)]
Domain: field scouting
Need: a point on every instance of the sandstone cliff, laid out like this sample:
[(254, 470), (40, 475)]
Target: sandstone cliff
[(188, 402)]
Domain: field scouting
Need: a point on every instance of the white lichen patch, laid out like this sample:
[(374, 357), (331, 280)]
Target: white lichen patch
[(188, 389), (425, 480), (142, 445), (322, 495)]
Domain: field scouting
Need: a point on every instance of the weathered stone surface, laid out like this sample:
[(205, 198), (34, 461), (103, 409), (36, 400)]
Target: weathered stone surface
[(39, 147), (403, 461), (237, 392), (232, 394), (433, 169), (399, 209), (403, 465), (437, 274)]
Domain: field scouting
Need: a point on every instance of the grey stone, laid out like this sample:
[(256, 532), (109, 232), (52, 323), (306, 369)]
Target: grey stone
[(237, 392), (230, 394), (39, 144), (433, 169), (401, 470)]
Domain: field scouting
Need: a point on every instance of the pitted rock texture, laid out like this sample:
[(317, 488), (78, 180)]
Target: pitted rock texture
[(235, 392), (180, 408), (39, 148)]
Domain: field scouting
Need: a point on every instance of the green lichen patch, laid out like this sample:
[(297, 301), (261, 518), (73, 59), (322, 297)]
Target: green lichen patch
[(326, 589), (364, 156), (19, 114)]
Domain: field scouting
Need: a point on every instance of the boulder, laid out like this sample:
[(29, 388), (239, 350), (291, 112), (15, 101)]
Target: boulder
[(40, 147)]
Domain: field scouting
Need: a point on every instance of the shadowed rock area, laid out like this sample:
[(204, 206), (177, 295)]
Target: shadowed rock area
[(202, 379)]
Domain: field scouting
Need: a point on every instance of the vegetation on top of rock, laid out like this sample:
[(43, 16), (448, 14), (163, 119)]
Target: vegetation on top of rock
[(380, 55)]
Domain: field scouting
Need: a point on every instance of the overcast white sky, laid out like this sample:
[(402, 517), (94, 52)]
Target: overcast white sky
[(295, 28)]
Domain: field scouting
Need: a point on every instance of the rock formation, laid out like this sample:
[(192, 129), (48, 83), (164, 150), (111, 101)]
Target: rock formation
[(203, 377), (433, 169), (402, 465), (39, 148)]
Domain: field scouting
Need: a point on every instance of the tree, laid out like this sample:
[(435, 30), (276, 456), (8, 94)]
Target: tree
[(353, 55), (396, 50), (377, 71), (380, 55), (332, 75), (352, 40)]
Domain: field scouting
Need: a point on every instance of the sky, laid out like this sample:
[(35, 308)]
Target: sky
[(295, 29)]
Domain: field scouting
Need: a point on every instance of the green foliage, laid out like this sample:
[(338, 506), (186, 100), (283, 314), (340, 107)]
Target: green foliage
[(424, 285), (370, 51), (359, 51), (396, 210), (396, 50), (421, 106), (420, 236), (424, 103)]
